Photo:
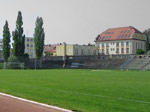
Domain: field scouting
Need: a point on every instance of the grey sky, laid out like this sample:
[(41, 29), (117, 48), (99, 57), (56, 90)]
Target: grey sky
[(75, 21)]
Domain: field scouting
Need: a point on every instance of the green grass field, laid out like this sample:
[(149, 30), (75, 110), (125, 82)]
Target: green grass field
[(81, 90)]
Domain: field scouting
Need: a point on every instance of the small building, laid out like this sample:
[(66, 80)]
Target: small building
[(76, 50), (123, 40), (29, 47), (50, 50)]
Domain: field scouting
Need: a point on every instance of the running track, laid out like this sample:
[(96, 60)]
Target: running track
[(8, 104)]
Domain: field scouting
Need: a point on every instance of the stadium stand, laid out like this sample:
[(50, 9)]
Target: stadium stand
[(139, 63)]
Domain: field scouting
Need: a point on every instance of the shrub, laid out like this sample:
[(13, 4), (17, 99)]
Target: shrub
[(1, 65), (139, 51), (13, 59)]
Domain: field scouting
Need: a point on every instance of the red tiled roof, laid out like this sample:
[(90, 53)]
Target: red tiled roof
[(50, 48), (122, 33)]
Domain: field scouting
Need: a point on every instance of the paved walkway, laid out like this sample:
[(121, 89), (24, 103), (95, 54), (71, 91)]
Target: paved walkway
[(8, 104)]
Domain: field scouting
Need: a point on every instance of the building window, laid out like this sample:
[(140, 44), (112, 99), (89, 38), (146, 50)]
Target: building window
[(117, 44), (122, 44), (122, 36), (102, 51), (76, 51), (70, 50), (94, 52), (107, 44), (82, 52), (128, 36), (119, 36), (89, 53), (117, 50), (102, 44), (107, 51), (127, 50), (139, 46), (122, 50), (127, 43)]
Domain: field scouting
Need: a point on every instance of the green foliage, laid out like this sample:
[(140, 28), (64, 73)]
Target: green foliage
[(39, 37), (24, 58), (147, 34), (139, 36), (1, 65), (18, 37), (13, 59), (81, 90), (6, 42), (139, 51)]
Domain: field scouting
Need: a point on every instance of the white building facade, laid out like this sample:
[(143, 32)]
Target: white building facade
[(29, 47), (125, 40)]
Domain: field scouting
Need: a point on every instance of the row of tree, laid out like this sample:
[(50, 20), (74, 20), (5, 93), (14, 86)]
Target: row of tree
[(18, 50), (147, 34)]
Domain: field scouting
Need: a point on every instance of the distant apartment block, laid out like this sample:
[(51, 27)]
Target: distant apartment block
[(123, 40), (29, 47), (76, 50)]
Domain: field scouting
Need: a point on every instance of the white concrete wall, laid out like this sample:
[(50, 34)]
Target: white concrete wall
[(113, 46)]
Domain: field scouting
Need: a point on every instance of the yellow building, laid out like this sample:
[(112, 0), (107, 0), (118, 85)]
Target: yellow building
[(76, 50), (29, 47)]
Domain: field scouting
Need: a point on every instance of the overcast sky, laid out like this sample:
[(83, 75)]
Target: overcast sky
[(75, 21)]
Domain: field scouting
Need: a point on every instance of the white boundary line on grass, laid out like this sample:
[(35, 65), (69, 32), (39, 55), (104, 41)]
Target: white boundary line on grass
[(108, 97), (33, 102), (101, 70)]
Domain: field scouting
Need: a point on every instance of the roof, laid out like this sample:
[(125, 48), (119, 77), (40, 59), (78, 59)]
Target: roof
[(50, 48), (121, 33)]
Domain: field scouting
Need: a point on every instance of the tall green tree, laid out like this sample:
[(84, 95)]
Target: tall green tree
[(147, 34), (18, 37), (6, 42), (39, 37)]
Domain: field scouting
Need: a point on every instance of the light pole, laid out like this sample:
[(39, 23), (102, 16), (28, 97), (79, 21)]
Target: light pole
[(35, 64)]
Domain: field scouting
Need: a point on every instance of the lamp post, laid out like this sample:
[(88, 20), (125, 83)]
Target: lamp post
[(35, 63), (64, 57)]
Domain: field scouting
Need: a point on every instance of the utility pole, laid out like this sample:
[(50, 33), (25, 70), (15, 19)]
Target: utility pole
[(35, 63), (65, 55)]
